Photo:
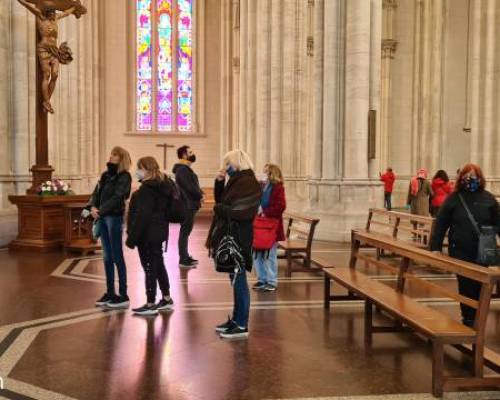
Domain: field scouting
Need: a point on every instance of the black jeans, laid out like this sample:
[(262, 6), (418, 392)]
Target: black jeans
[(151, 255), (387, 201), (186, 229)]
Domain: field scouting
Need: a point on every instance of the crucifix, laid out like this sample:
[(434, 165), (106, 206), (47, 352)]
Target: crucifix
[(50, 55), (165, 147)]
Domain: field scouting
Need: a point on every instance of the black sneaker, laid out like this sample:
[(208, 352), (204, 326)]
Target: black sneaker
[(259, 286), (104, 300), (269, 288), (119, 302), (225, 326), (235, 332), (146, 310), (187, 264), (193, 260), (165, 305)]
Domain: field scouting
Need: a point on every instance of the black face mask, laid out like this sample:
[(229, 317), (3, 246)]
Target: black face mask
[(112, 168), (192, 158)]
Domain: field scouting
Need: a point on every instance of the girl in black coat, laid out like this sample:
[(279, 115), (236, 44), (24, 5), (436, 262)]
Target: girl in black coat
[(462, 238), (148, 229), (107, 206)]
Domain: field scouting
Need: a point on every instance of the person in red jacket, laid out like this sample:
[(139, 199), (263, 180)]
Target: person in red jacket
[(441, 187), (388, 178), (273, 205)]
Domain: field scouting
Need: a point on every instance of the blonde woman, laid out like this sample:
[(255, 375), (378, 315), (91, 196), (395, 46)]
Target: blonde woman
[(107, 203), (147, 230), (272, 205), (243, 189)]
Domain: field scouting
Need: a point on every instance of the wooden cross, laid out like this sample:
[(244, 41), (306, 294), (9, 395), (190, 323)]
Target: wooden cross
[(165, 147)]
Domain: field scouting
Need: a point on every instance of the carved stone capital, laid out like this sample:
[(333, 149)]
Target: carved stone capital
[(389, 47)]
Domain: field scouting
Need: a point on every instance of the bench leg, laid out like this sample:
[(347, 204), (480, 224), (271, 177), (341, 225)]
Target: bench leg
[(288, 264), (478, 351), (437, 369), (327, 293), (368, 323)]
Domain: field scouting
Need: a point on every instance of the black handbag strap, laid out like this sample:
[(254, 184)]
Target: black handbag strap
[(469, 214)]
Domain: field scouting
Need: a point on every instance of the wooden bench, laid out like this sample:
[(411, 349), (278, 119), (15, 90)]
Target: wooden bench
[(416, 229), (298, 243), (409, 315)]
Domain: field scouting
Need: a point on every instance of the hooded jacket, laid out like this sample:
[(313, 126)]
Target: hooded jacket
[(441, 190), (147, 219), (189, 185)]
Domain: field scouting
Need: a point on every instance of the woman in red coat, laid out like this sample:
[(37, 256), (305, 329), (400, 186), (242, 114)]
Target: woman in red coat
[(441, 187), (273, 205)]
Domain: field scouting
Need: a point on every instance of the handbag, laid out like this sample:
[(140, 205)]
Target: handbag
[(265, 232), (97, 229), (487, 253)]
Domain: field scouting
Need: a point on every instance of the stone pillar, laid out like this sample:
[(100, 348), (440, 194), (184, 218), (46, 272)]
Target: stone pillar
[(357, 82), (333, 97), (5, 79), (389, 46), (276, 55), (475, 81)]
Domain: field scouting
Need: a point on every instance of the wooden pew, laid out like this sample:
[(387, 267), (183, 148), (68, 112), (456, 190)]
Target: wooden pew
[(410, 315), (298, 243), (416, 229)]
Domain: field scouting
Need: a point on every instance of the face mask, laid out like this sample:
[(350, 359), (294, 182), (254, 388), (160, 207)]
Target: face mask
[(230, 170), (264, 178), (192, 158), (471, 184), (140, 174)]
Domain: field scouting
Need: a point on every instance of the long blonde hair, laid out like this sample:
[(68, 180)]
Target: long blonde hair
[(151, 165), (238, 159), (125, 160), (275, 174)]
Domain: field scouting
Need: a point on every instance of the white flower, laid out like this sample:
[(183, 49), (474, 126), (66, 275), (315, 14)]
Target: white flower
[(48, 183), (65, 187)]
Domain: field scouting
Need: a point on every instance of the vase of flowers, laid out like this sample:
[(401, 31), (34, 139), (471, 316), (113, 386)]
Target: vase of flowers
[(55, 187)]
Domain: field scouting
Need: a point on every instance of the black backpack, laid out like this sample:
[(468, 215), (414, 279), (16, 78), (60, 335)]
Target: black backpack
[(176, 212)]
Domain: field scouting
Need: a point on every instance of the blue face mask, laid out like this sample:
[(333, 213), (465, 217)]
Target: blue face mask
[(472, 184), (230, 171)]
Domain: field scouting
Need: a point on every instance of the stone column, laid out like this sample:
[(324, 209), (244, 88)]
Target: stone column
[(475, 81), (261, 151), (333, 96), (389, 46), (5, 79), (357, 83), (276, 55)]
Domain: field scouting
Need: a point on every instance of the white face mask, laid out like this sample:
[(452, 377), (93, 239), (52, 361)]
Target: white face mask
[(263, 178), (140, 174)]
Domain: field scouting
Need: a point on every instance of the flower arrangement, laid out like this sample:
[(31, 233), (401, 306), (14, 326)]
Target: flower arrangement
[(55, 187)]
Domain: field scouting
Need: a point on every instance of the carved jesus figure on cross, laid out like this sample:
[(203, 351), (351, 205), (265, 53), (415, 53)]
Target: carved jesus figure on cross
[(50, 56)]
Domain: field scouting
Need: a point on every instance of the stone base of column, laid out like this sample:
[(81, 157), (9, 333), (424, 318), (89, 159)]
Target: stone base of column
[(341, 205)]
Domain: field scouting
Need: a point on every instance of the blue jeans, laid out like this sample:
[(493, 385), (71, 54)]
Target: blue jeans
[(111, 239), (267, 268), (241, 310)]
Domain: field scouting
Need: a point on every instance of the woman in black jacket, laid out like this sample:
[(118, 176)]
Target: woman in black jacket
[(147, 229), (463, 239), (107, 204), (243, 189)]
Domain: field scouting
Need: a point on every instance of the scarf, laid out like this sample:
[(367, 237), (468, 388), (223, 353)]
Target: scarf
[(266, 195)]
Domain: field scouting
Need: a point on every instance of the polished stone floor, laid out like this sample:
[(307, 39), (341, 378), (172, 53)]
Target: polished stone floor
[(55, 345)]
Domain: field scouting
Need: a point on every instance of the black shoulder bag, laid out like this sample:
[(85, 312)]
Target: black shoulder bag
[(487, 245), (228, 257)]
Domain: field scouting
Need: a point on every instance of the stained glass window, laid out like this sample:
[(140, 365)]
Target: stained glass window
[(164, 76)]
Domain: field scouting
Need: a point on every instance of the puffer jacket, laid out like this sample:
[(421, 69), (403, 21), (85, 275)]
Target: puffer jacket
[(148, 213)]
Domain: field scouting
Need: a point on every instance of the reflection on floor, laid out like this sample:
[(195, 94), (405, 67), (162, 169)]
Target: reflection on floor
[(55, 345)]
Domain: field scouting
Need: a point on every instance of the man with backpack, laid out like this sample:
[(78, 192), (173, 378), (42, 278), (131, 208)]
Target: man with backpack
[(188, 183)]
